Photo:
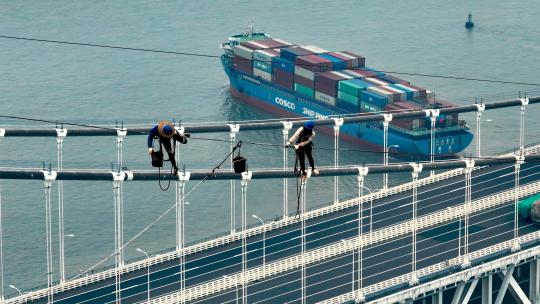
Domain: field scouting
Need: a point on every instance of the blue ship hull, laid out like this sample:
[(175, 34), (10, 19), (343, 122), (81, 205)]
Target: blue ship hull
[(275, 99)]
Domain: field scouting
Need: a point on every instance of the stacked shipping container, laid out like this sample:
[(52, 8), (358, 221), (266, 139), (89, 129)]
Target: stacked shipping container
[(338, 79)]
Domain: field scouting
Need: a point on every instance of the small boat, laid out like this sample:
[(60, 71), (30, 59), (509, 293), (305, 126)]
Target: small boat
[(469, 24)]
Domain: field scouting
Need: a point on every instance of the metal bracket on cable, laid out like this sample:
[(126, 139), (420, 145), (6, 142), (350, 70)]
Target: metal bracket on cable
[(469, 166), (520, 159), (183, 177), (524, 101), (387, 119), (180, 130), (338, 123), (417, 168), (480, 107), (235, 128), (362, 172), (287, 126), (61, 134), (433, 113), (120, 176), (49, 177), (120, 134), (246, 177), (2, 132)]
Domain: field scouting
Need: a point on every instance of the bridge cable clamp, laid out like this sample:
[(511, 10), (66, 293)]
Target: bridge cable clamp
[(128, 175), (362, 173), (180, 130), (48, 178), (480, 107), (338, 122), (183, 177), (417, 168), (120, 134), (60, 135), (524, 101), (387, 119), (235, 128), (2, 132), (287, 125), (469, 166), (118, 177), (246, 177)]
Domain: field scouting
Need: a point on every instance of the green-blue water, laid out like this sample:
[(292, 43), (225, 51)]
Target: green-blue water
[(100, 86)]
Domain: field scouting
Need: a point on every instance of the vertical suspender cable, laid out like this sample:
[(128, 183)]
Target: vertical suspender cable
[(386, 123), (287, 125), (49, 177), (303, 237), (362, 173), (2, 132), (234, 129), (60, 135), (337, 125), (517, 167), (468, 197), (479, 109), (1, 250), (417, 168), (121, 134), (118, 178), (246, 176), (432, 114), (183, 177)]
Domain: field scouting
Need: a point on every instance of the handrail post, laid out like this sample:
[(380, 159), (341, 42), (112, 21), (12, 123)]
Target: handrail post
[(60, 135), (469, 166), (338, 122), (386, 123), (48, 178), (417, 168), (287, 125), (246, 177), (234, 128)]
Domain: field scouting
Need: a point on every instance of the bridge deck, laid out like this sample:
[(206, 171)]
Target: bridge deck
[(331, 277)]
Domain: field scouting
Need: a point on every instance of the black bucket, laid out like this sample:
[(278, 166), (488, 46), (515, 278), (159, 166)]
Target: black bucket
[(239, 164), (157, 159)]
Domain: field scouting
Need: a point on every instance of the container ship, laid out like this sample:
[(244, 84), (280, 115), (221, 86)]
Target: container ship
[(306, 81)]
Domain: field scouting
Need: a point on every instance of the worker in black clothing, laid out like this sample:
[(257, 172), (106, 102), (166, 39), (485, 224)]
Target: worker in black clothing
[(303, 144), (164, 132)]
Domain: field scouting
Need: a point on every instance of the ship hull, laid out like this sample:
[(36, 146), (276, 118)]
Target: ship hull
[(265, 95)]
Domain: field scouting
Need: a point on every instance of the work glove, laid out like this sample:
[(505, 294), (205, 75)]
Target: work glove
[(187, 135), (150, 150), (288, 145), (296, 147)]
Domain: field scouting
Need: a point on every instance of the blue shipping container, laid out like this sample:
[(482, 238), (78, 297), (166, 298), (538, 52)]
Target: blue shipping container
[(374, 98), (348, 106), (284, 64), (409, 93), (337, 64), (362, 83)]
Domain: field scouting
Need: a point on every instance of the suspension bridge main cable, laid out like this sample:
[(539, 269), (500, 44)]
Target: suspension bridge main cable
[(202, 55), (280, 146)]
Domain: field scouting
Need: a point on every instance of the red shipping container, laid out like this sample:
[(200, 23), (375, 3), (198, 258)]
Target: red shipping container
[(243, 64), (314, 63), (361, 59), (348, 61), (283, 78), (364, 72), (303, 81), (327, 83), (405, 123), (421, 91)]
